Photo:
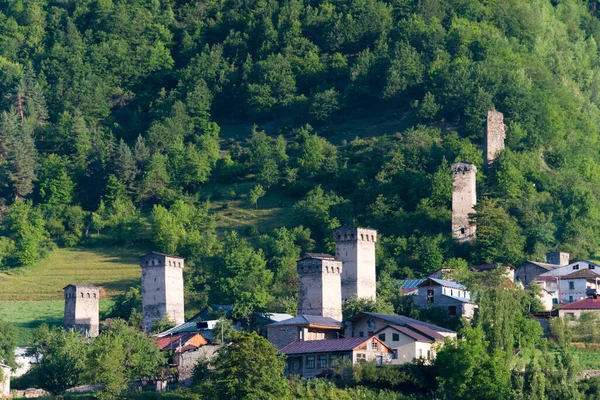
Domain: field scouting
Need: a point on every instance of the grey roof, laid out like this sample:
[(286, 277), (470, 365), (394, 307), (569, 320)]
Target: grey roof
[(546, 266), (402, 320), (461, 299), (411, 283), (582, 273), (441, 282), (324, 346), (277, 317), (408, 332), (319, 256), (309, 320), (82, 286), (186, 327), (162, 254)]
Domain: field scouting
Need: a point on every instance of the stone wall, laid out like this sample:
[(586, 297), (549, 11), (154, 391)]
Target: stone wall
[(355, 247), (464, 198), (493, 142), (282, 336), (558, 258), (186, 362)]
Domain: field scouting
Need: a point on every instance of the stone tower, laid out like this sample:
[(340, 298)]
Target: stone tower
[(493, 139), (557, 258), (81, 309), (355, 247), (162, 288), (464, 197), (320, 286)]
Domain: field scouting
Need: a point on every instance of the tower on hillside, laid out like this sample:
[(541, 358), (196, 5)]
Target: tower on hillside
[(82, 312), (464, 198), (355, 247), (493, 138), (557, 258), (162, 288), (320, 286)]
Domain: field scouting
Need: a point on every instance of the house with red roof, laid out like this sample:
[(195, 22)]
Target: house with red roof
[(575, 309), (315, 358), (577, 285)]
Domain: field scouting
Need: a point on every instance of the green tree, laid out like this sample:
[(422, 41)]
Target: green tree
[(355, 305), (256, 193), (18, 155)]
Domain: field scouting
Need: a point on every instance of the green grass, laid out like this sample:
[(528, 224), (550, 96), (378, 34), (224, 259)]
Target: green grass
[(28, 315), (588, 359)]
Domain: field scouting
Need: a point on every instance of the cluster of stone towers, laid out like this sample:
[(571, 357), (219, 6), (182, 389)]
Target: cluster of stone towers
[(464, 178), (325, 281), (162, 294)]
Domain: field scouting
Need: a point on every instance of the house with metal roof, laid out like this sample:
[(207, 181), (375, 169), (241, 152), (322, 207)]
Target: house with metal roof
[(576, 308), (304, 328), (366, 324), (315, 358), (451, 296), (410, 342)]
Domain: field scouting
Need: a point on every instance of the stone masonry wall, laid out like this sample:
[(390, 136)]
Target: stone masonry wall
[(82, 312), (493, 142), (355, 247), (319, 288), (464, 198)]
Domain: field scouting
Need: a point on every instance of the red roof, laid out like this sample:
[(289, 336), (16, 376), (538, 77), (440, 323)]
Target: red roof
[(591, 303), (174, 341), (582, 273)]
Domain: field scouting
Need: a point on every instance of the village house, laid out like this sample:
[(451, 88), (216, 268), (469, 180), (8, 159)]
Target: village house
[(577, 285), (451, 296), (315, 358), (510, 270), (4, 381), (365, 324), (410, 342), (575, 309), (528, 271), (304, 328), (575, 266)]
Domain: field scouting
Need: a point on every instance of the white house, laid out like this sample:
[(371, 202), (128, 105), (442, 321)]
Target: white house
[(410, 342), (577, 285), (451, 296), (572, 267)]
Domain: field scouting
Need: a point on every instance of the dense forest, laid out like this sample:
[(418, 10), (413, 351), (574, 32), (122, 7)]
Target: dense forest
[(111, 113)]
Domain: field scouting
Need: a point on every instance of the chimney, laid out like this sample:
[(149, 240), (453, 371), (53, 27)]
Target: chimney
[(557, 258)]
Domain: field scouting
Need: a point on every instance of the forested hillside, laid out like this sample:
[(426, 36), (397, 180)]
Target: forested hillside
[(111, 115)]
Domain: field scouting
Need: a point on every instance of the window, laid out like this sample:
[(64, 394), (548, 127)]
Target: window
[(570, 299), (571, 315), (571, 285), (590, 266), (382, 337), (333, 357), (576, 266), (462, 231), (373, 345), (420, 353), (310, 362), (395, 337), (430, 295), (429, 354), (361, 334), (451, 292), (322, 361), (451, 310)]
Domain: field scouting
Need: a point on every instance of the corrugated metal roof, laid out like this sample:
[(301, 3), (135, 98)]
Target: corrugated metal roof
[(590, 303), (309, 320), (546, 266), (278, 317), (441, 282), (461, 299), (174, 341), (324, 346), (401, 320), (410, 283), (409, 332), (425, 331), (319, 256)]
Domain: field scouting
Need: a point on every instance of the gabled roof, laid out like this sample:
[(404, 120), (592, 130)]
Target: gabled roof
[(591, 303), (581, 274), (318, 256), (172, 342), (400, 320), (546, 266), (487, 267), (327, 345), (441, 282), (410, 283), (408, 332), (307, 320)]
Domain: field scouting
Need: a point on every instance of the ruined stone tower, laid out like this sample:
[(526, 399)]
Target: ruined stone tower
[(81, 309), (355, 247), (464, 197), (320, 286), (162, 288), (493, 139)]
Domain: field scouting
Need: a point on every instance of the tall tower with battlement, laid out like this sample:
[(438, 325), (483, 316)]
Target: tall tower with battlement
[(464, 198), (494, 136), (82, 311), (162, 288), (320, 286), (355, 247)]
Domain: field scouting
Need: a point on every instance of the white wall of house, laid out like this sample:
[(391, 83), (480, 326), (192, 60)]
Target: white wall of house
[(573, 267), (405, 347), (574, 289)]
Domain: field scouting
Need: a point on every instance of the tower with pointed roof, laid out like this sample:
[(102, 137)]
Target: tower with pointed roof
[(319, 286), (162, 288)]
